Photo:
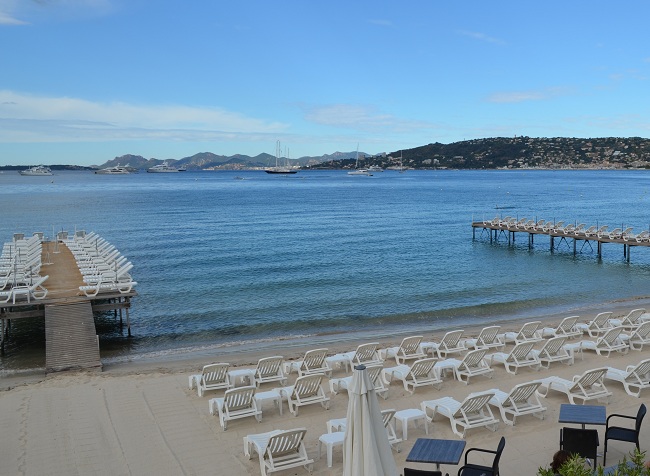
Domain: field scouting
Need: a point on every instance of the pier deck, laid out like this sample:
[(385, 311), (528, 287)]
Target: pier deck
[(497, 229), (70, 334)]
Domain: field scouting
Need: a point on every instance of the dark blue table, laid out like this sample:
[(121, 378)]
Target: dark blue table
[(431, 450), (583, 414)]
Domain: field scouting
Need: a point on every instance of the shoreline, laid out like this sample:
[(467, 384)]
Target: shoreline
[(246, 353)]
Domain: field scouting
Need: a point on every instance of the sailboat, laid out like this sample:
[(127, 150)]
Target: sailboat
[(357, 170), (279, 169)]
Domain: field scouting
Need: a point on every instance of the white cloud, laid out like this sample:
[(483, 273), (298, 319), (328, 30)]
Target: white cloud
[(7, 19), (524, 96), (24, 12), (379, 22), (36, 118), (360, 117), (481, 37)]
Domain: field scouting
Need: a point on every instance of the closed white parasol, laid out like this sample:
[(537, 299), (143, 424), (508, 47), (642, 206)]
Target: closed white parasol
[(366, 451)]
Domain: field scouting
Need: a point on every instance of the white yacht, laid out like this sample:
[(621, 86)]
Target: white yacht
[(38, 170), (163, 168), (375, 168), (357, 170), (115, 170)]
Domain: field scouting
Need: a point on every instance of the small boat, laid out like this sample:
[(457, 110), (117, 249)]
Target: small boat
[(162, 169), (357, 170), (375, 168), (278, 169), (39, 170), (182, 168), (115, 170)]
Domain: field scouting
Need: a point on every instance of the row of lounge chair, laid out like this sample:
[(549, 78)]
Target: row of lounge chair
[(561, 228), (429, 371), (239, 402), (20, 266), (102, 267)]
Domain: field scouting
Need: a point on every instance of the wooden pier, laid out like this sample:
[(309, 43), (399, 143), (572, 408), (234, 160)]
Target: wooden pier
[(71, 340), (572, 233)]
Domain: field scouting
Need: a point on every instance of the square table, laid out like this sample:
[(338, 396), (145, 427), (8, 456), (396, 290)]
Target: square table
[(431, 450), (583, 414)]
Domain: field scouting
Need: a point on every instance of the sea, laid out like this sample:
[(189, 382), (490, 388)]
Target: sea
[(242, 258)]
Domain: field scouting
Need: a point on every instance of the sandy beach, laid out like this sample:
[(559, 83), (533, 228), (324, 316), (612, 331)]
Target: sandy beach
[(140, 418)]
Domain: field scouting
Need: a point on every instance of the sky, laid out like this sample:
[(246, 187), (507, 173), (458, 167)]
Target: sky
[(84, 81)]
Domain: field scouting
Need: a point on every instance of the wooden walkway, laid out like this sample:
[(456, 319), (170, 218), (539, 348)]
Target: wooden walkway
[(71, 340), (559, 235)]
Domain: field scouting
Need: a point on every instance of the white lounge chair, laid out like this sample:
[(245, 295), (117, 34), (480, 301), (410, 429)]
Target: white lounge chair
[(450, 343), (236, 403), (487, 339), (366, 354), (409, 349), (567, 327), (554, 350), (559, 227), (270, 369), (639, 337), (599, 232), (586, 387), (634, 378), (387, 417), (540, 225), (528, 225), (305, 391), (473, 412), (529, 332), (473, 364), (597, 325), (279, 449), (609, 342), (93, 290), (338, 384), (602, 231), (643, 237), (32, 289), (521, 223), (631, 321), (617, 233), (590, 232), (549, 226), (212, 377), (521, 400), (420, 374), (312, 363), (520, 356)]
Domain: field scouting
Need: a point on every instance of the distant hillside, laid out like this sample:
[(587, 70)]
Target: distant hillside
[(527, 152), (490, 153)]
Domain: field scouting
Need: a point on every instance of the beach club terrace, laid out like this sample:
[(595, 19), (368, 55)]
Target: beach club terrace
[(562, 232), (64, 281)]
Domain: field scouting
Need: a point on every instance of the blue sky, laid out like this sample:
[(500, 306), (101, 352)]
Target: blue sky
[(84, 81)]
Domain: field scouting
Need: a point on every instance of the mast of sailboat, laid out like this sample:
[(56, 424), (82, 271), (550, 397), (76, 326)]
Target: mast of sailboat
[(356, 163)]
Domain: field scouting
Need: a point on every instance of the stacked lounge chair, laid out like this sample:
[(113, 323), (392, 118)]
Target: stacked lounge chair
[(102, 267)]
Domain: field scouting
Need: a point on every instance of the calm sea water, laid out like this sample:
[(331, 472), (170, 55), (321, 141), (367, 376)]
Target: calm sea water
[(226, 257)]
